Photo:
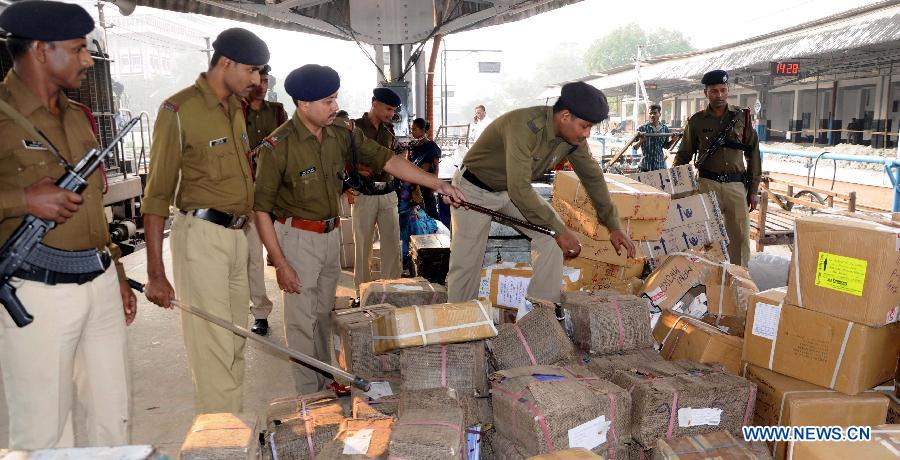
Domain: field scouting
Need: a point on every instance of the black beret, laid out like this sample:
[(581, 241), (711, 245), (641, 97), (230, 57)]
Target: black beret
[(241, 45), (46, 21), (387, 96), (312, 82), (715, 77), (584, 101)]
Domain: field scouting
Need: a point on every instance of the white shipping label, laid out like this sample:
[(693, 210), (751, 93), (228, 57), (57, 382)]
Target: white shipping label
[(484, 288), (589, 434), (378, 390), (358, 443), (408, 288), (657, 296), (572, 274), (698, 306), (765, 320), (688, 416), (511, 291)]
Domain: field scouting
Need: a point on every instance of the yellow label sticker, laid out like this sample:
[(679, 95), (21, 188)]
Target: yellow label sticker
[(840, 273)]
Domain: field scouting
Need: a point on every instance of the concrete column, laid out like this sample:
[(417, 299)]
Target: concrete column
[(795, 137), (763, 116), (882, 102), (421, 78), (379, 62)]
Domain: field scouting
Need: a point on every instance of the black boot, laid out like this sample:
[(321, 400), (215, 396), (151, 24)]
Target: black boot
[(260, 327)]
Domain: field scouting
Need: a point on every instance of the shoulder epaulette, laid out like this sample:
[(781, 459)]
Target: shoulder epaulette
[(169, 105)]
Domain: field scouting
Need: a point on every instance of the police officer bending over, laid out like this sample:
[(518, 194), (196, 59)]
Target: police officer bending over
[(299, 183), (78, 333)]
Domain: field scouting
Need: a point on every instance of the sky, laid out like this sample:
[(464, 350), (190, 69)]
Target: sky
[(523, 43)]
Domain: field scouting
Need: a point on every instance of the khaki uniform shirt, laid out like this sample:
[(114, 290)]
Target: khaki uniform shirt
[(261, 123), (297, 176), (383, 134), (520, 146), (24, 160), (703, 127), (202, 151)]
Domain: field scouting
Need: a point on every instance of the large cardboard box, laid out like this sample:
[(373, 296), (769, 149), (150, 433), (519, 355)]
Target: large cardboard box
[(675, 277), (584, 221), (632, 199), (583, 273), (432, 324), (786, 401), (693, 209), (728, 290), (885, 444), (684, 238), (506, 285), (717, 445), (677, 181), (817, 348), (686, 338), (846, 267), (568, 454), (600, 251)]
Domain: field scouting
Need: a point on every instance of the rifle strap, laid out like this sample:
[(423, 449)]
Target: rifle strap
[(354, 158), (746, 125)]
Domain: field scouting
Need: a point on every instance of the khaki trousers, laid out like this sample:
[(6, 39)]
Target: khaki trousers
[(76, 343), (367, 211), (210, 267), (732, 198), (470, 235), (316, 257), (261, 305)]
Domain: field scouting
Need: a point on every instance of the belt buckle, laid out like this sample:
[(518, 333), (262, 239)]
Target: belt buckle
[(237, 222), (329, 225), (722, 178)]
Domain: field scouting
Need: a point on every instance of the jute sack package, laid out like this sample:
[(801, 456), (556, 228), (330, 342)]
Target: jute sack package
[(608, 322), (476, 410), (604, 366), (429, 434), (461, 366), (698, 402), (381, 400), (547, 408), (536, 339), (359, 440), (222, 436), (353, 351), (401, 292), (298, 427)]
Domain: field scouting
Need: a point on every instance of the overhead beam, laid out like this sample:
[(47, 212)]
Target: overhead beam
[(289, 4)]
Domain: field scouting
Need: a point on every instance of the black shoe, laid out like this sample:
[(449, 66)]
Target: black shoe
[(354, 303), (260, 327)]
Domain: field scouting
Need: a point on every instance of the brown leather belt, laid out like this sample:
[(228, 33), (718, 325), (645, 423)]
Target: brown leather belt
[(318, 226)]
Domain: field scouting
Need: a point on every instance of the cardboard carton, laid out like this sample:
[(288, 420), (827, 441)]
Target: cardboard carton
[(600, 251), (786, 401), (693, 209), (677, 181), (568, 454), (846, 267), (716, 445), (674, 278), (352, 342), (417, 326), (728, 290), (684, 238), (584, 220), (582, 273), (222, 435), (820, 349), (885, 444), (632, 199), (686, 338)]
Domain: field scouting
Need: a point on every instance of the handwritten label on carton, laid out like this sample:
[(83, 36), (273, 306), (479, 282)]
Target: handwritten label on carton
[(589, 434), (841, 273), (765, 320), (511, 291)]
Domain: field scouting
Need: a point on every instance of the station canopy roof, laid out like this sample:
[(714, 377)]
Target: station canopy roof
[(368, 21)]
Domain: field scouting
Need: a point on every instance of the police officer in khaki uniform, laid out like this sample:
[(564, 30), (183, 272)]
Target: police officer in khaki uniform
[(262, 118), (200, 148), (299, 183), (78, 332), (380, 207), (497, 172), (731, 172)]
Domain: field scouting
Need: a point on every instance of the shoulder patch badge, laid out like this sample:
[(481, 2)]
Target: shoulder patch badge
[(169, 105), (533, 126)]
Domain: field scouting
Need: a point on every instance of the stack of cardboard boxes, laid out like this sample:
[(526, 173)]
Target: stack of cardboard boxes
[(642, 211), (817, 348)]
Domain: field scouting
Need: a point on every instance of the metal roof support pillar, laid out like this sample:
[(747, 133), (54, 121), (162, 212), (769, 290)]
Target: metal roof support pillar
[(797, 125), (396, 57), (762, 96)]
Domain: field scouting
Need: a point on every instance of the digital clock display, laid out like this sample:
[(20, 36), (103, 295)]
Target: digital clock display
[(788, 69)]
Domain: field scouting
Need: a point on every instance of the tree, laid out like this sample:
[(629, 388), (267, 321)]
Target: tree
[(619, 47)]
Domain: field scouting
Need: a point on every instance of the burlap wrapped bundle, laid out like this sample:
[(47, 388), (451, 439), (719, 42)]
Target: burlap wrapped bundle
[(476, 410), (718, 444), (638, 374), (353, 343), (364, 406), (502, 448), (401, 292), (536, 339), (460, 366), (377, 447), (606, 365), (429, 434), (605, 322), (298, 427), (535, 407), (688, 404)]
